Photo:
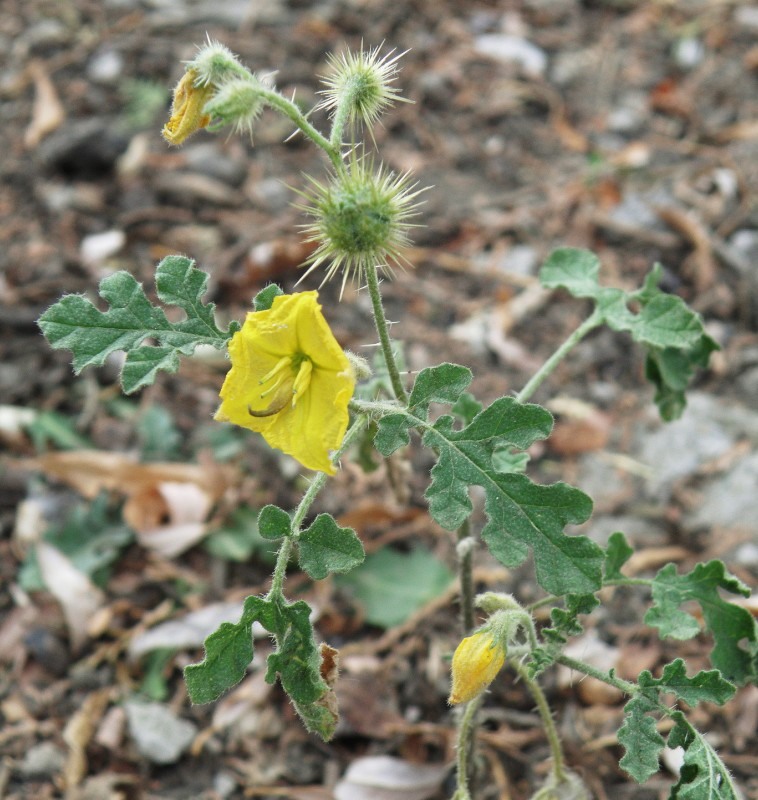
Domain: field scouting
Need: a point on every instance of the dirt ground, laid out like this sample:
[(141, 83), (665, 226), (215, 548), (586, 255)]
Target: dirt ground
[(630, 128)]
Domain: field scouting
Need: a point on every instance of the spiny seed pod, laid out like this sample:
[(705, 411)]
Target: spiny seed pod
[(361, 217), (361, 82), (476, 662)]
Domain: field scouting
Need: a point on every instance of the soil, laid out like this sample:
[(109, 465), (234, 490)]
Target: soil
[(628, 128)]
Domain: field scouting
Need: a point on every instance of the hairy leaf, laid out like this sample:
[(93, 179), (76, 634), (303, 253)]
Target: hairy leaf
[(641, 740), (673, 335), (617, 554), (324, 547), (704, 775), (228, 653), (730, 624), (566, 621), (521, 514), (274, 522), (707, 687), (76, 324)]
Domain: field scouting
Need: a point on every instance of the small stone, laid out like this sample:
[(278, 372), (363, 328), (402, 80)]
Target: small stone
[(207, 159), (746, 16), (97, 248), (512, 49), (42, 760), (160, 736), (105, 67), (688, 53), (730, 501)]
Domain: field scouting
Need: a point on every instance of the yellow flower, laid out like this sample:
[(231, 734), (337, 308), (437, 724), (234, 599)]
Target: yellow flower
[(187, 115), (290, 381), (476, 662)]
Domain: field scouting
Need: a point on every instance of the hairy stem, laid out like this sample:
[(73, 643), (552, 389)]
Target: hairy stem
[(553, 739), (465, 748), (289, 109), (624, 686), (341, 116), (382, 328), (593, 321), (283, 556)]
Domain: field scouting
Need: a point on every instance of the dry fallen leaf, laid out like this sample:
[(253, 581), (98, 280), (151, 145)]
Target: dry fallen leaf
[(167, 503), (76, 593), (388, 778), (47, 112)]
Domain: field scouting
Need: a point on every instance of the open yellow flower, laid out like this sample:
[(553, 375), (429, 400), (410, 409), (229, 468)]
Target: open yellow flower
[(476, 662), (290, 381), (187, 114)]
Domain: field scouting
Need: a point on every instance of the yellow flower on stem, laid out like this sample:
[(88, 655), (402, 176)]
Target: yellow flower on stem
[(476, 662), (187, 115), (290, 380)]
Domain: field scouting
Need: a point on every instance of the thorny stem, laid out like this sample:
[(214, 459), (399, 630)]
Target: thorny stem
[(465, 747), (553, 739), (593, 321), (283, 556), (382, 328), (289, 109)]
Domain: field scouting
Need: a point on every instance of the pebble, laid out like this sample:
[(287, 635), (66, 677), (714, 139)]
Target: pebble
[(97, 248), (746, 16), (207, 159), (731, 500), (106, 67), (512, 49), (688, 53), (160, 736), (42, 760)]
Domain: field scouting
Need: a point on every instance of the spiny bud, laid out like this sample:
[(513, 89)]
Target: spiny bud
[(239, 102), (214, 64), (361, 217), (361, 81), (476, 662)]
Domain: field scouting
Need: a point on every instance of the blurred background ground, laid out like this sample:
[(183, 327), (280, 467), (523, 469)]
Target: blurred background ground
[(630, 128)]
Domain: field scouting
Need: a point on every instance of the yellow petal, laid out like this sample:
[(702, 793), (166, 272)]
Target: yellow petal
[(293, 327), (476, 662), (187, 109)]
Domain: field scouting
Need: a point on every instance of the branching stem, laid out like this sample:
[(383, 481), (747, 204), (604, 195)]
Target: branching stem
[(593, 321), (283, 556)]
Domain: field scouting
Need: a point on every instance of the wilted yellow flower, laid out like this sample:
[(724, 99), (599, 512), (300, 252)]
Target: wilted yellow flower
[(187, 115), (290, 381), (476, 662)]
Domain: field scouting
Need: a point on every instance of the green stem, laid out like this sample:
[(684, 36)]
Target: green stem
[(553, 739), (341, 116), (289, 109), (593, 321), (623, 686), (283, 556), (380, 321), (465, 576), (465, 748)]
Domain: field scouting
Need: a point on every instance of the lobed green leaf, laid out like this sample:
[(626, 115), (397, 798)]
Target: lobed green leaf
[(274, 522), (76, 324), (707, 687), (641, 740), (735, 632), (703, 775), (617, 553), (325, 547), (228, 653)]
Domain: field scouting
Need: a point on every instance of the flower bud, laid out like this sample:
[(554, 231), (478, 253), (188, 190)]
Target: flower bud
[(476, 662), (239, 102), (214, 64)]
